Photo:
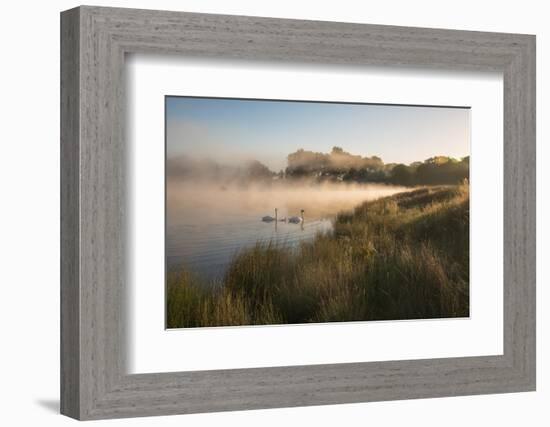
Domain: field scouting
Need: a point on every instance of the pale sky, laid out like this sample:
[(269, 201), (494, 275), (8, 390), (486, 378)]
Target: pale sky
[(232, 130)]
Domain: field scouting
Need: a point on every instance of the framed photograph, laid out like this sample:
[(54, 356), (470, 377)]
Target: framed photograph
[(318, 234), (261, 213)]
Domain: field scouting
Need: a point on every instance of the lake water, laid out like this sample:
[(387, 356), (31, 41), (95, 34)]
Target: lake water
[(208, 225)]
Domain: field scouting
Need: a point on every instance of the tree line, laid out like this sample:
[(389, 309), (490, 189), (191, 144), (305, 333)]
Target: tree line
[(339, 165)]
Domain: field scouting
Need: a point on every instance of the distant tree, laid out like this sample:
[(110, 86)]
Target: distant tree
[(351, 175), (438, 160), (442, 170), (341, 165), (373, 163), (402, 175), (257, 170)]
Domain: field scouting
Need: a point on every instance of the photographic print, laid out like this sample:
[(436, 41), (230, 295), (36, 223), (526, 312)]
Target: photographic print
[(293, 212)]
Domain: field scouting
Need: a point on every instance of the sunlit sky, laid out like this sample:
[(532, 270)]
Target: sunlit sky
[(231, 130)]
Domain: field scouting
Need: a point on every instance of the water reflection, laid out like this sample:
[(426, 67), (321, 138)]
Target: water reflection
[(207, 225)]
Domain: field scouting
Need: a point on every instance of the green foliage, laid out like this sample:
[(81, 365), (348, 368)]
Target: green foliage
[(400, 257), (433, 171), (403, 175), (341, 165), (442, 170)]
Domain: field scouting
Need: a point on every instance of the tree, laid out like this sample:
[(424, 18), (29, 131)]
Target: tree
[(257, 170), (402, 175)]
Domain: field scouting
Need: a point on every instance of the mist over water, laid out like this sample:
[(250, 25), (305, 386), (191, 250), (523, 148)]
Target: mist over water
[(209, 223)]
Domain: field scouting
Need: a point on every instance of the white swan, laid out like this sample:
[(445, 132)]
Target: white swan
[(297, 219), (269, 218)]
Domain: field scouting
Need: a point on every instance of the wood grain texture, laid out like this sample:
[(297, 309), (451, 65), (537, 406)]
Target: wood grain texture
[(94, 271), (70, 221)]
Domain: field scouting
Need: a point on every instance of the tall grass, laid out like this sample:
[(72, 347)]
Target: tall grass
[(400, 257)]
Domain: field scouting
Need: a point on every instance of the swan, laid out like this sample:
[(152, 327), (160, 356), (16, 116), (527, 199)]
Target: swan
[(269, 218), (297, 219)]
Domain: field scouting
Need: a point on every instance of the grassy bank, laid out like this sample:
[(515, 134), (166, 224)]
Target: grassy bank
[(400, 257)]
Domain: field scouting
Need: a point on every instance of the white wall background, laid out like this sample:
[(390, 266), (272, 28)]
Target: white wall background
[(29, 213)]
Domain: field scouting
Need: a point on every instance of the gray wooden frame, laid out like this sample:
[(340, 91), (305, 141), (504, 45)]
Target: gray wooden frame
[(94, 41)]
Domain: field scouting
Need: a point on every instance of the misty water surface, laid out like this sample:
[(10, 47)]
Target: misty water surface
[(207, 225)]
